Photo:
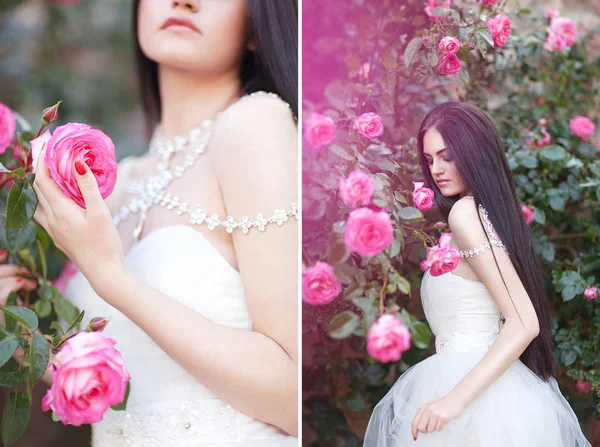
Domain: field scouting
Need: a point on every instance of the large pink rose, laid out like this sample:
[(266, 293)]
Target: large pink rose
[(79, 142), (591, 293), (582, 126), (369, 125), (449, 64), (368, 232), (432, 4), (69, 270), (499, 28), (388, 338), (441, 258), (37, 145), (423, 197), (357, 189), (528, 214), (562, 33), (8, 127), (449, 44), (319, 284), (319, 131), (88, 378)]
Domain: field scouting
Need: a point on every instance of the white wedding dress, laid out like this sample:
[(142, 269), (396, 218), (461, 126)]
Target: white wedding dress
[(517, 410), (167, 406)]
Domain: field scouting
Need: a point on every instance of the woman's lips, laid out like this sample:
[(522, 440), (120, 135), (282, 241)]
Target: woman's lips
[(443, 182), (180, 25)]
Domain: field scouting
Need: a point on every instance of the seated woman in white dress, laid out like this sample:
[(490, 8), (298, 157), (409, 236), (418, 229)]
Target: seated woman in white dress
[(490, 382), (199, 274)]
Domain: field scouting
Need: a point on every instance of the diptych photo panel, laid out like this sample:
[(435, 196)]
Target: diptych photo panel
[(149, 277), (264, 223), (450, 223)]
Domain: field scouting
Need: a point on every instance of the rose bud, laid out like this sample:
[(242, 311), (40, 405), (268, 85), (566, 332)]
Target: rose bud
[(50, 114), (97, 324)]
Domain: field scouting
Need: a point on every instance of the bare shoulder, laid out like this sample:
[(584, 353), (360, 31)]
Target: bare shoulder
[(463, 216), (259, 122)]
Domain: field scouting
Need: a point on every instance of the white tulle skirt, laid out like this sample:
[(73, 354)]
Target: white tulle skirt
[(517, 410)]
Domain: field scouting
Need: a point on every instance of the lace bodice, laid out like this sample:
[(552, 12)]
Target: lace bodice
[(494, 239)]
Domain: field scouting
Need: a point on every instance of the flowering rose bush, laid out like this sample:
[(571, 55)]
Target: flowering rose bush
[(420, 54), (84, 387)]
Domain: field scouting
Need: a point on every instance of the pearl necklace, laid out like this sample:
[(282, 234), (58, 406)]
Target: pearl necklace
[(153, 191)]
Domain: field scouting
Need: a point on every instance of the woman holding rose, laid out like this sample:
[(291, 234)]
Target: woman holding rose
[(200, 286)]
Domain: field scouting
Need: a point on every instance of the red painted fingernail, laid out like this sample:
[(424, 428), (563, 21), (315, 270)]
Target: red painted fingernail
[(3, 252), (80, 167), (19, 280), (415, 438), (26, 271)]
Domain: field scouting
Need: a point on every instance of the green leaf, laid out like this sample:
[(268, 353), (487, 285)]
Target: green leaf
[(557, 203), (554, 153), (19, 238), (38, 357), (338, 254), (403, 285), (56, 326), (123, 405), (8, 346), (486, 36), (433, 57), (43, 308), (524, 11), (568, 357), (76, 321), (342, 325), (11, 323), (482, 45), (410, 213), (15, 417), (9, 373), (342, 152), (421, 335), (65, 310), (22, 314), (20, 206), (55, 417), (355, 403), (411, 50)]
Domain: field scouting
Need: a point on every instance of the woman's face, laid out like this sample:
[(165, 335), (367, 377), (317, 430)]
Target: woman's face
[(208, 36), (442, 167)]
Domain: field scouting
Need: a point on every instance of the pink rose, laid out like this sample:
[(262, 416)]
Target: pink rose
[(319, 284), (368, 232), (591, 293), (582, 127), (357, 189), (545, 141), (88, 378), (8, 127), (368, 125), (449, 64), (423, 197), (79, 142), (441, 258), (388, 338), (488, 3), (528, 214), (69, 270), (583, 386), (499, 28), (552, 14), (449, 45), (562, 33), (432, 4), (319, 131)]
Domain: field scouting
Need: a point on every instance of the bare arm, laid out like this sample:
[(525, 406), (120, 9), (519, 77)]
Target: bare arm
[(517, 333)]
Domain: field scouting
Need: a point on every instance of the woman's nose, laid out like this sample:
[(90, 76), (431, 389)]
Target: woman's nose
[(190, 5)]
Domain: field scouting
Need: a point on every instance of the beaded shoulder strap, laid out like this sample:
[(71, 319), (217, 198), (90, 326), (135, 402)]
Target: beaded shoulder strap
[(494, 240)]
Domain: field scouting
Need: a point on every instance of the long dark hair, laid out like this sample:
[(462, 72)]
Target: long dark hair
[(473, 142), (273, 67)]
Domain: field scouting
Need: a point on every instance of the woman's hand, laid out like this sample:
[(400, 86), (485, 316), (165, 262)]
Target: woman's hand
[(10, 281), (435, 415), (87, 236)]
